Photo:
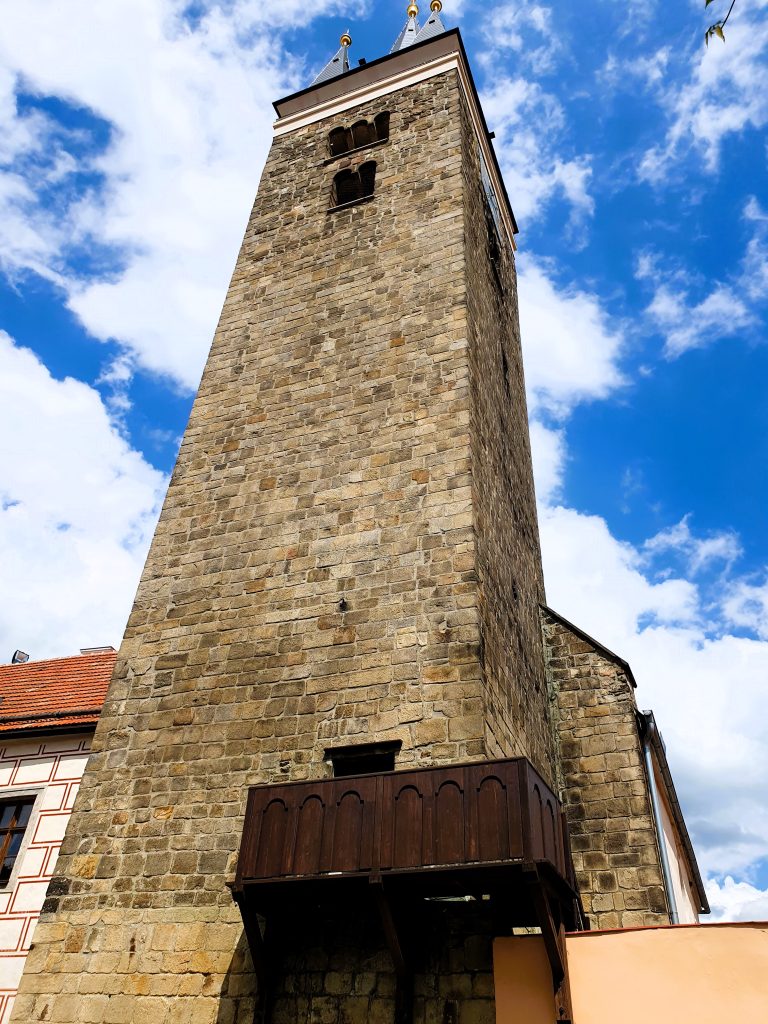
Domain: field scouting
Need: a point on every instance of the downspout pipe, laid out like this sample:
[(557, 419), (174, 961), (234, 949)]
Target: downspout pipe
[(649, 729)]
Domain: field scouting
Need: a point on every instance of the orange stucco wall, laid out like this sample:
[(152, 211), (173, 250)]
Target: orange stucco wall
[(706, 973), (709, 974), (523, 981)]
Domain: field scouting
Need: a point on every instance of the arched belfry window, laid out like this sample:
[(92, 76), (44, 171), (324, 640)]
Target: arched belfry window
[(346, 187), (351, 186), (368, 177), (363, 134), (381, 123), (342, 139)]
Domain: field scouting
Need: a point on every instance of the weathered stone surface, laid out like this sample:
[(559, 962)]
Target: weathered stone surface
[(359, 434), (507, 551), (613, 839)]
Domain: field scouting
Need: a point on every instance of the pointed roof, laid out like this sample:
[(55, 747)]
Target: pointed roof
[(433, 26), (409, 31), (338, 64)]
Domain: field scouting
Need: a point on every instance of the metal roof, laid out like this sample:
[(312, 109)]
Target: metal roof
[(433, 26), (337, 65), (407, 35)]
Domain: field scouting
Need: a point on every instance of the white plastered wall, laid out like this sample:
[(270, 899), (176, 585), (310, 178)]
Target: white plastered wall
[(684, 887), (50, 769)]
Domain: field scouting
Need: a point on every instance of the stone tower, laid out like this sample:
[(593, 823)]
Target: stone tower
[(345, 580)]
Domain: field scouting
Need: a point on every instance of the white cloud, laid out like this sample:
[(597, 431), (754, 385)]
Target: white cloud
[(189, 111), (571, 347), (695, 312), (736, 901), (726, 93), (624, 73), (525, 28), (600, 582), (530, 127), (689, 324), (746, 606), (754, 265), (549, 457), (77, 510), (698, 552)]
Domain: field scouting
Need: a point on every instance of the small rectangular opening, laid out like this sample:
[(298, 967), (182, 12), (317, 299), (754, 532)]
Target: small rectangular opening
[(363, 758)]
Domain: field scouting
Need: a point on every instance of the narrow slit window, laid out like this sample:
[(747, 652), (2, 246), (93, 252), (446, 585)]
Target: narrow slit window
[(494, 249)]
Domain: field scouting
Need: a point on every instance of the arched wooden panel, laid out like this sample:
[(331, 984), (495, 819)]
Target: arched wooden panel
[(493, 832), (269, 855), (537, 833), (449, 824), (408, 828), (549, 832), (348, 832), (309, 830)]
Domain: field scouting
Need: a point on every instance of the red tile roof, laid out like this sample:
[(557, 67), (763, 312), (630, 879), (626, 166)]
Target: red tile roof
[(54, 693)]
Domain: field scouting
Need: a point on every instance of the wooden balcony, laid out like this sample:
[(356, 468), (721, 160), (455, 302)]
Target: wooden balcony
[(490, 830), (447, 822)]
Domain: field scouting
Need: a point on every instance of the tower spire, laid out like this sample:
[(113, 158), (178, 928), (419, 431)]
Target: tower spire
[(339, 63), (409, 31), (433, 26)]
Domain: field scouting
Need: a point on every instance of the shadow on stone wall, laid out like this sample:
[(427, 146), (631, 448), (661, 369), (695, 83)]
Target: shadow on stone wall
[(238, 999), (332, 966)]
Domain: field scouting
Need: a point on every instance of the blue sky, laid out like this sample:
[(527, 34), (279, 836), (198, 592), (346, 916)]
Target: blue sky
[(132, 137)]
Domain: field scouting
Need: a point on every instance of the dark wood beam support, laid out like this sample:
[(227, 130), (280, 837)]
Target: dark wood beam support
[(262, 963), (403, 970), (553, 934), (389, 925), (549, 930)]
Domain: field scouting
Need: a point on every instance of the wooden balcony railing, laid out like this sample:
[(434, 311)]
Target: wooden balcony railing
[(466, 816)]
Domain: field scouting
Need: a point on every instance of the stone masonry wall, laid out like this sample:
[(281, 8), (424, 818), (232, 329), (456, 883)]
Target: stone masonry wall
[(613, 839), (509, 571), (328, 456), (349, 980)]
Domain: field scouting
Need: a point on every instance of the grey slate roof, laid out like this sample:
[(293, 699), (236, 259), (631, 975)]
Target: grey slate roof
[(407, 35), (337, 65), (432, 27)]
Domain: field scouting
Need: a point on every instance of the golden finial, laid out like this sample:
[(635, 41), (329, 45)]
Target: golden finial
[(346, 39), (413, 10), (436, 5)]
